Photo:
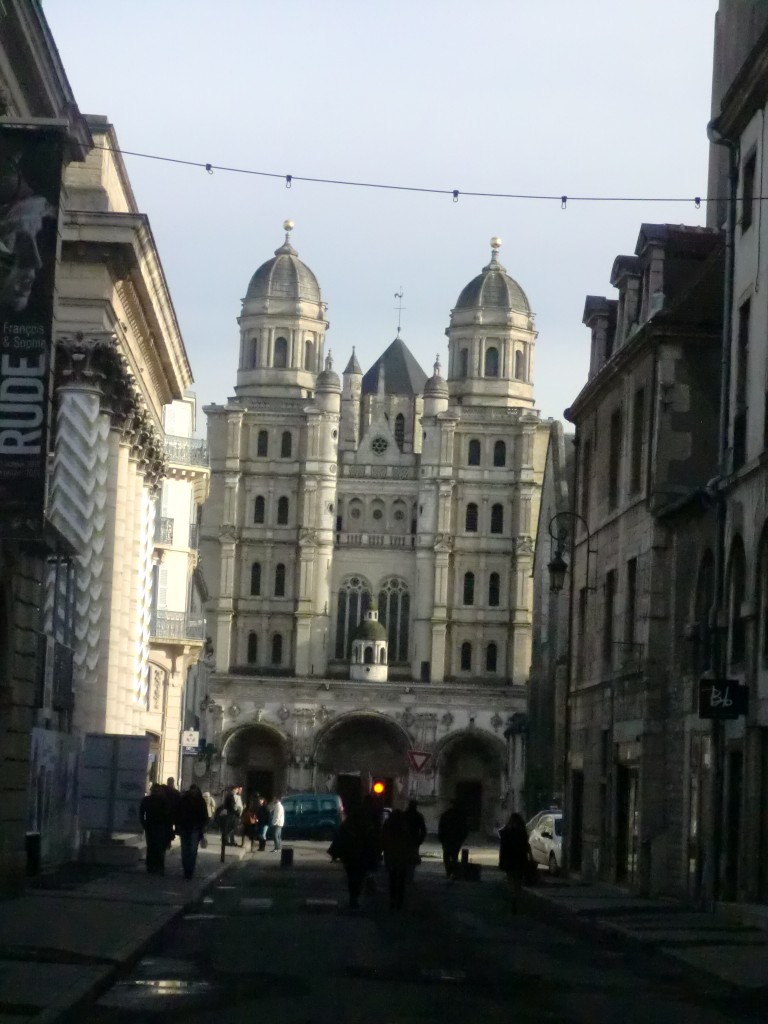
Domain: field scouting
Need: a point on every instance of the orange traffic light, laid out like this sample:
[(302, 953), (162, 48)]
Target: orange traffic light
[(378, 788)]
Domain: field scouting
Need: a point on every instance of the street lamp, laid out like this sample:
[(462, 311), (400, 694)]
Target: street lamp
[(561, 532)]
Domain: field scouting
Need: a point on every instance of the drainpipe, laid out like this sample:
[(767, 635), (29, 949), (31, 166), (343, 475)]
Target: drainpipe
[(717, 626)]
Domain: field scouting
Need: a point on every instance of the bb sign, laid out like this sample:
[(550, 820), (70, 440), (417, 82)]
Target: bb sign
[(722, 698)]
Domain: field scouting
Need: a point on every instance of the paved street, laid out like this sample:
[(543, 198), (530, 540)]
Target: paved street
[(280, 943)]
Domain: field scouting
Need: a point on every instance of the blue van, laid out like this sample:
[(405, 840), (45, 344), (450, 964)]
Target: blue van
[(312, 815)]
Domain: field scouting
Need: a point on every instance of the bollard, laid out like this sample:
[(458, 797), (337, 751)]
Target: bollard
[(286, 857)]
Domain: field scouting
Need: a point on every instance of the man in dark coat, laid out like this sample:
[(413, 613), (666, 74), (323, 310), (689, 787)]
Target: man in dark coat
[(191, 817), (514, 855), (156, 820), (173, 796), (417, 832), (452, 830), (358, 846)]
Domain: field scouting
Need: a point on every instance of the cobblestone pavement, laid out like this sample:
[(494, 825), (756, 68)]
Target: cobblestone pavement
[(279, 944)]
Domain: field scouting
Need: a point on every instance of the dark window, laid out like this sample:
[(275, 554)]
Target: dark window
[(256, 579), (394, 615), (499, 454), (282, 512), (470, 523), (258, 509), (309, 355), (253, 648), (614, 458), (262, 445), (281, 353), (279, 580), (705, 596), (586, 477), (636, 470), (748, 191), (473, 457), (740, 411), (491, 654), (400, 430), (368, 656), (497, 518), (494, 588), (464, 363), (286, 445), (519, 367), (608, 613), (630, 606), (737, 592), (492, 362), (277, 649), (581, 635), (466, 656), (353, 602), (469, 588)]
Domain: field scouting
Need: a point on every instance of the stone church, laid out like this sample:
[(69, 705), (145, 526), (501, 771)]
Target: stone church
[(368, 548)]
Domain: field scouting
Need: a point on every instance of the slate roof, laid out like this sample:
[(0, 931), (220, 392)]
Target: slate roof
[(353, 366), (402, 374), (284, 277)]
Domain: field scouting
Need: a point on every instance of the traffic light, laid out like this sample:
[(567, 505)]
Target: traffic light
[(378, 787)]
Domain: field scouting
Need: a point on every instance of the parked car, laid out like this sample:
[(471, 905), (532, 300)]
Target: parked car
[(312, 815), (545, 838)]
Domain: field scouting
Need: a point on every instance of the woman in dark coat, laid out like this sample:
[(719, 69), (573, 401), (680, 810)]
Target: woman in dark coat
[(191, 817), (514, 854)]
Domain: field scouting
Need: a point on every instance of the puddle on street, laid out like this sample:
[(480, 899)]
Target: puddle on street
[(138, 991)]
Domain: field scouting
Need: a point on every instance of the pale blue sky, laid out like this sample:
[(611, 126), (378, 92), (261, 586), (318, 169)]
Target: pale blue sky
[(540, 96)]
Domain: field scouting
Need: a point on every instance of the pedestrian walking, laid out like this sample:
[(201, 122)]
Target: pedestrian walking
[(226, 818), (278, 821), (249, 823), (237, 795), (263, 818), (514, 855), (417, 830), (156, 820), (353, 846), (452, 830), (190, 821), (397, 843), (210, 804)]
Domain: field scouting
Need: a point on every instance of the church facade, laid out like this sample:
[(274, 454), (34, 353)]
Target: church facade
[(388, 501)]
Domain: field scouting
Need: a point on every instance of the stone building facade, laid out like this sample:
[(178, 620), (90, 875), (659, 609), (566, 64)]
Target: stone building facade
[(330, 495)]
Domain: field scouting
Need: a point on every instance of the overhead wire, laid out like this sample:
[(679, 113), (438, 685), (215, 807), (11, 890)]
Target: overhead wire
[(456, 193)]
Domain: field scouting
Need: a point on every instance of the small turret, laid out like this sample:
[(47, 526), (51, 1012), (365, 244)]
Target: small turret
[(328, 387), (369, 650), (350, 405), (435, 392)]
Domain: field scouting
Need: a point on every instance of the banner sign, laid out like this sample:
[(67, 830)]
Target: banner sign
[(190, 741), (31, 163), (722, 698)]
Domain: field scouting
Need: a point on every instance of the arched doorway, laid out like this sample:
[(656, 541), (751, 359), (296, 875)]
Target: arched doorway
[(358, 749), (255, 757), (470, 768)]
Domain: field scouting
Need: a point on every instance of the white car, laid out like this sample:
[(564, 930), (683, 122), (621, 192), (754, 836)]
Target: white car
[(545, 837)]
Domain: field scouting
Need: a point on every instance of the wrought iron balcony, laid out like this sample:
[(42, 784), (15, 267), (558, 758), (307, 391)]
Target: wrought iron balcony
[(163, 530), (186, 451), (177, 626)]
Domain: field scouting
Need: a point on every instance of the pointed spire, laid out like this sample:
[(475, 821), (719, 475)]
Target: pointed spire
[(437, 367), (353, 366), (329, 361)]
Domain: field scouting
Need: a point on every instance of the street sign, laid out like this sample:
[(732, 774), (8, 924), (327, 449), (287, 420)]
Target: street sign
[(722, 698), (419, 759), (190, 741)]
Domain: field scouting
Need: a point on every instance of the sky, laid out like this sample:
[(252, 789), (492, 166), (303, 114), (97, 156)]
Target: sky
[(545, 97)]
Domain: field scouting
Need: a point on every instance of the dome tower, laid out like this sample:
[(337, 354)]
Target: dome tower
[(491, 338), (282, 328)]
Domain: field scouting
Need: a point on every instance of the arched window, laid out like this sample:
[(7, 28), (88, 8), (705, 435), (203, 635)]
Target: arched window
[(494, 588), (466, 656), (254, 352), (286, 445), (519, 366), (499, 454), (470, 522), (368, 656), (253, 648), (281, 353), (383, 656), (400, 430), (491, 654), (469, 588), (705, 596), (262, 444), (736, 592), (309, 355), (497, 518), (473, 453), (258, 509), (354, 600), (282, 512), (492, 362), (464, 363), (279, 580), (394, 615), (277, 649), (256, 579)]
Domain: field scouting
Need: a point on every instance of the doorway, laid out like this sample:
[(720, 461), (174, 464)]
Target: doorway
[(733, 823), (469, 798), (575, 827), (626, 823), (261, 782), (350, 789)]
